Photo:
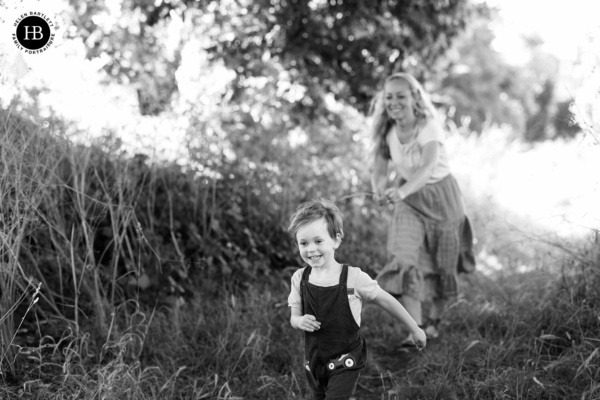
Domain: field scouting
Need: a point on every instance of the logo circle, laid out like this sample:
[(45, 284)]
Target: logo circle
[(33, 33)]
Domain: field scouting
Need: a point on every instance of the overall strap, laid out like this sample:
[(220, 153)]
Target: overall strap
[(303, 281), (305, 275), (344, 277)]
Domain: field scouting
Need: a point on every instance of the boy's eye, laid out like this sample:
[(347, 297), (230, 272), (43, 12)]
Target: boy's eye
[(318, 241)]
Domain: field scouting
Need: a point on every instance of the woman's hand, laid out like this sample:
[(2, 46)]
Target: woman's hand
[(379, 198), (393, 195)]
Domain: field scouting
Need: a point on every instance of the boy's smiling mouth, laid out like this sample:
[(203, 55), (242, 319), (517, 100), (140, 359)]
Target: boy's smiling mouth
[(314, 258)]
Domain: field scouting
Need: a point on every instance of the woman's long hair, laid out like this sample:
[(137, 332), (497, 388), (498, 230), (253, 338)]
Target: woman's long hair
[(382, 123)]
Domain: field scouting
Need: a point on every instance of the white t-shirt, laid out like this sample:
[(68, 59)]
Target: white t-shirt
[(365, 288), (406, 158)]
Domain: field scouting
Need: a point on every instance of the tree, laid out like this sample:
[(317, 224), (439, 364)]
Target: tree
[(538, 124), (342, 47), (565, 124), (480, 87)]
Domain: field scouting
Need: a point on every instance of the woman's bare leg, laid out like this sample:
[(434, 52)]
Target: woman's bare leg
[(435, 312)]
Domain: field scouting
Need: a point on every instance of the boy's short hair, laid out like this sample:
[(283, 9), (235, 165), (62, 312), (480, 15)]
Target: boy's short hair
[(316, 209)]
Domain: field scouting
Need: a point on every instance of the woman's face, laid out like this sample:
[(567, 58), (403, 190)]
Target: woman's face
[(399, 101)]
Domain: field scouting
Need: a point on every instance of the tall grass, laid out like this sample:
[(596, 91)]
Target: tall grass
[(220, 345), (60, 215), (513, 336), (25, 160)]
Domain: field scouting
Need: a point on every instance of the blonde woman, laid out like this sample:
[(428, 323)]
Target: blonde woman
[(424, 237)]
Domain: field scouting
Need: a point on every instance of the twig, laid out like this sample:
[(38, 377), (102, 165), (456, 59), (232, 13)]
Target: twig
[(366, 194)]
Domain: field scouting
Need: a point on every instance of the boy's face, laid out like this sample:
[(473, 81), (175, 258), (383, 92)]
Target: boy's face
[(316, 247)]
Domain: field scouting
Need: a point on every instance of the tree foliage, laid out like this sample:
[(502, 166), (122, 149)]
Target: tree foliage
[(342, 47), (481, 88)]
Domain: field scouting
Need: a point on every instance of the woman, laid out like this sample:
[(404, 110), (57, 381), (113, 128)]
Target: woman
[(424, 238)]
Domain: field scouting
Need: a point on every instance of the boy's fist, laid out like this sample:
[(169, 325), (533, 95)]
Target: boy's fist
[(420, 338), (308, 323)]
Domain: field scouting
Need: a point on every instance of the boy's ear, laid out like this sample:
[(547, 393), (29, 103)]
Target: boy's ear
[(338, 241)]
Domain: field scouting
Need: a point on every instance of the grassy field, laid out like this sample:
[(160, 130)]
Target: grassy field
[(527, 335), (526, 325)]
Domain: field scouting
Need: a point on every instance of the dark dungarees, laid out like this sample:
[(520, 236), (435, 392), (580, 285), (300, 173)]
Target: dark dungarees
[(339, 334)]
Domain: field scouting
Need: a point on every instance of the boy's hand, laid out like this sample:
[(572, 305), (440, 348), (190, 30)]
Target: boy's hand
[(308, 323), (420, 338)]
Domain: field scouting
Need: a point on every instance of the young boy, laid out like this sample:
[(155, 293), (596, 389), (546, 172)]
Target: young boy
[(326, 301)]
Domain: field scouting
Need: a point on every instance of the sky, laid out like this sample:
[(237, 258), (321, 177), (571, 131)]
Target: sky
[(570, 31), (563, 25)]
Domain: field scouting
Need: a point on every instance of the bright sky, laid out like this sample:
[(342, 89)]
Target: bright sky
[(563, 25)]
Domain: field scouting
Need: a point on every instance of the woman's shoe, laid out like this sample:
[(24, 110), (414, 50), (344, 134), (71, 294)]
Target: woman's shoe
[(431, 330)]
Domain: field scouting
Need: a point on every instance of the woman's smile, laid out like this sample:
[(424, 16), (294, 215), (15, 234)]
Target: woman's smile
[(398, 100)]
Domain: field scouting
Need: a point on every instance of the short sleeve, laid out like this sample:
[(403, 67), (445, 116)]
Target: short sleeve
[(365, 287), (295, 298), (431, 132)]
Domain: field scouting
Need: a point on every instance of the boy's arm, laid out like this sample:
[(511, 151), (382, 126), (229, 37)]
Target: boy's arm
[(392, 306), (304, 322)]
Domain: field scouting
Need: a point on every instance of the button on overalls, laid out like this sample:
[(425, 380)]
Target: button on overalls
[(339, 334)]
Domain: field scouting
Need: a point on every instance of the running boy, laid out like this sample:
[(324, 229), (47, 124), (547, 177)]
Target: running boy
[(326, 301)]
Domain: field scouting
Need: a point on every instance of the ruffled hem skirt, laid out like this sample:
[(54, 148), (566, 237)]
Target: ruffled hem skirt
[(425, 240)]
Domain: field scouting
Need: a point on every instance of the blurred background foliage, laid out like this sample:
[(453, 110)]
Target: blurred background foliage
[(287, 56), (338, 47)]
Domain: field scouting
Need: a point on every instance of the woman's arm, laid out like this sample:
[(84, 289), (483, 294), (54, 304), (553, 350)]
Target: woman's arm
[(429, 159), (379, 175)]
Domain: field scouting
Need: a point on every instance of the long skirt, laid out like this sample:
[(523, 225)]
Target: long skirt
[(425, 239)]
